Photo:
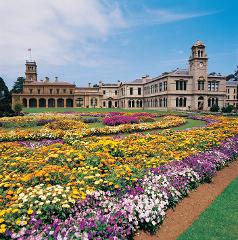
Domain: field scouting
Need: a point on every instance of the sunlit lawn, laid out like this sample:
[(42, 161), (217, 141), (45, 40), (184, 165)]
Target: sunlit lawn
[(220, 220)]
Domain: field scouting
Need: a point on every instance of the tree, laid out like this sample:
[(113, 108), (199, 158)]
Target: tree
[(215, 108), (227, 109), (18, 108), (233, 76), (5, 97), (18, 85)]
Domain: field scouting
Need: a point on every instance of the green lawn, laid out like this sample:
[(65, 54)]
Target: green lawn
[(38, 110), (220, 220)]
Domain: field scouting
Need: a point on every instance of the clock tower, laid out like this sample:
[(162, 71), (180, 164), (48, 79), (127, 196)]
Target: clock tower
[(31, 71), (198, 61)]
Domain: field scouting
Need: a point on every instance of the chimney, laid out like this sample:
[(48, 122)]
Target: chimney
[(47, 79), (89, 84), (56, 79)]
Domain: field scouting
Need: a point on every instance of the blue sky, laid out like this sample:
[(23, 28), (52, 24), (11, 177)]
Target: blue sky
[(84, 41)]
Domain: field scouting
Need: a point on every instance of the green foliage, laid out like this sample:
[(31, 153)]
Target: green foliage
[(18, 85), (18, 108), (227, 109), (5, 98), (19, 125), (233, 76), (215, 108)]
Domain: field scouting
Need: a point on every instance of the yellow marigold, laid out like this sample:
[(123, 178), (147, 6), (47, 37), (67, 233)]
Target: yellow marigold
[(30, 211), (1, 220), (18, 221), (2, 212), (15, 210), (3, 226)]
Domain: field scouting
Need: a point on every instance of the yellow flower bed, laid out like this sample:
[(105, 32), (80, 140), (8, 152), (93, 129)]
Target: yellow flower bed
[(72, 128), (51, 178)]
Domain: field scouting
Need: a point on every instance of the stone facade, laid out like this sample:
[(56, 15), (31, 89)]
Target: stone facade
[(181, 89), (231, 93)]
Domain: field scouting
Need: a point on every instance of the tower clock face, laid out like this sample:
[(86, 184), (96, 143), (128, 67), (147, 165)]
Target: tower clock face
[(201, 64)]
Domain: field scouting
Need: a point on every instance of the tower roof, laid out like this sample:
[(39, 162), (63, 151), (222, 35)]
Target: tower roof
[(198, 43)]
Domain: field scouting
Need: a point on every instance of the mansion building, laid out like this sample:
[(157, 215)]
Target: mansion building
[(181, 89)]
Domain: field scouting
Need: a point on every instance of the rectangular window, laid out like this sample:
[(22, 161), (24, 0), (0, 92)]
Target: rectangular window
[(213, 86), (131, 91), (165, 86), (160, 86), (31, 91), (200, 85), (181, 85), (51, 91), (71, 91), (156, 88), (38, 91), (234, 91), (116, 92), (57, 91), (104, 92), (139, 91), (64, 90)]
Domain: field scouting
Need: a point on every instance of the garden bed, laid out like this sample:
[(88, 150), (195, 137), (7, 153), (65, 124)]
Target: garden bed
[(106, 187)]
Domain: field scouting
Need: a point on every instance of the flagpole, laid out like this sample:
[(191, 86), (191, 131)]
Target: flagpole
[(29, 49)]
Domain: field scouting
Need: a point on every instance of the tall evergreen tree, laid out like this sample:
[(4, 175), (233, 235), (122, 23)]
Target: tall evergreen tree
[(18, 85), (5, 97)]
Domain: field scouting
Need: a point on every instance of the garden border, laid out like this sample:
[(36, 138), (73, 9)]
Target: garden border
[(188, 210)]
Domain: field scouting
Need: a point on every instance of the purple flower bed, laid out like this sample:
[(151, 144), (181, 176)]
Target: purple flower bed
[(119, 214), (117, 120), (44, 122), (40, 143)]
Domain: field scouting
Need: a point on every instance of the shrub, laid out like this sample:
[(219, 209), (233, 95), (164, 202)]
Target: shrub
[(18, 108), (43, 122), (214, 108), (90, 120), (227, 109)]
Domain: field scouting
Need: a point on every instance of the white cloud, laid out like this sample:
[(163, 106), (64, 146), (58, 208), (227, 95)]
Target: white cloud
[(53, 28), (64, 32)]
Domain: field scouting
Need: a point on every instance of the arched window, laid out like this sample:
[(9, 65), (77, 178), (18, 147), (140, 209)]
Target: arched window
[(212, 101), (51, 102), (94, 102), (60, 102), (141, 103), (42, 102), (24, 102), (133, 103), (69, 102), (181, 102), (129, 103)]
